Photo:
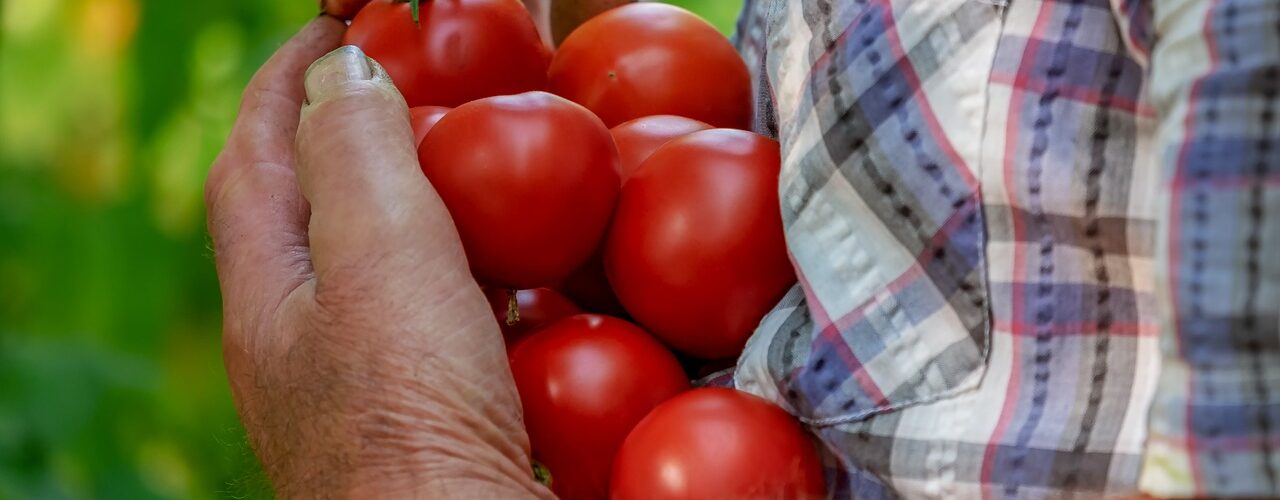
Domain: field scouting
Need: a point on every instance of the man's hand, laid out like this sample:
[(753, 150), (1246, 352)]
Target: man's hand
[(363, 358)]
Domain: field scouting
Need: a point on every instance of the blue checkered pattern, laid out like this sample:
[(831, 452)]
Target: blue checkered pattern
[(1006, 216)]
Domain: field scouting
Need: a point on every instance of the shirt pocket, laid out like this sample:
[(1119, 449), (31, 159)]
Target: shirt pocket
[(880, 111)]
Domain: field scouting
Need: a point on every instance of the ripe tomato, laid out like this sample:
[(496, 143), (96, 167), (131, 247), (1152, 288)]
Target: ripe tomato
[(342, 9), (538, 307), (461, 50), (423, 118), (639, 138), (717, 443), (653, 59), (696, 251), (584, 382), (530, 181), (636, 140)]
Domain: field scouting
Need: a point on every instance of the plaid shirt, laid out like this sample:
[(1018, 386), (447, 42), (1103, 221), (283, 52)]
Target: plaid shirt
[(1038, 243)]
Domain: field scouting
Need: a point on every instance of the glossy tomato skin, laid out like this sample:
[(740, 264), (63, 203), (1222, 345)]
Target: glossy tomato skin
[(717, 443), (341, 9), (696, 251), (647, 59), (423, 118), (584, 382), (639, 138), (636, 140), (461, 50), (538, 307), (530, 180)]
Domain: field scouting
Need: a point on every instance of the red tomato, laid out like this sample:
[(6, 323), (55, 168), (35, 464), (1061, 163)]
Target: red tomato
[(342, 9), (584, 382), (589, 286), (530, 181), (653, 59), (639, 138), (461, 50), (636, 140), (717, 443), (696, 251), (423, 118), (538, 307)]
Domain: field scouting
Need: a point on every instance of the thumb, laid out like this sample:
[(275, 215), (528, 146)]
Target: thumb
[(358, 168)]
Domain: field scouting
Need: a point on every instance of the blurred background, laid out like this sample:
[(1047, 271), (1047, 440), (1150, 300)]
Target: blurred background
[(111, 111)]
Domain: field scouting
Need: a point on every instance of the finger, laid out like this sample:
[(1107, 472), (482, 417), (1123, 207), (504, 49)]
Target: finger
[(358, 168), (257, 216), (342, 9), (268, 119)]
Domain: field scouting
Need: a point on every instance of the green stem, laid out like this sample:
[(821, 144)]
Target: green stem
[(413, 7), (541, 473)]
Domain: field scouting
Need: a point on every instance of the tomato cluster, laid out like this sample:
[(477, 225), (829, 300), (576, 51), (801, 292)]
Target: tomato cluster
[(626, 229)]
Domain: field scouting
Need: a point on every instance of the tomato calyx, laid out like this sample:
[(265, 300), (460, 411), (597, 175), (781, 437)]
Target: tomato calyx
[(541, 473), (513, 307), (413, 7)]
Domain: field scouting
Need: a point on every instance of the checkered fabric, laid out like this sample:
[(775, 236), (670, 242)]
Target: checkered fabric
[(1000, 212)]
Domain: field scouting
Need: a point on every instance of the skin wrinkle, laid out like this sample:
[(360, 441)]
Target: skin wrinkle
[(228, 191), (342, 291), (362, 357), (388, 414), (350, 321)]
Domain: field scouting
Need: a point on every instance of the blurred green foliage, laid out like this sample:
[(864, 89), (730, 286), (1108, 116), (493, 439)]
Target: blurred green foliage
[(111, 381)]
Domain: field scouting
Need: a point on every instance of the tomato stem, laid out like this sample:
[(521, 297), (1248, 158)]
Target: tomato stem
[(513, 308), (541, 473), (413, 7)]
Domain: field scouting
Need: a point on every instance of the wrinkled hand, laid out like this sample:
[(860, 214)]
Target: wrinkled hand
[(363, 358)]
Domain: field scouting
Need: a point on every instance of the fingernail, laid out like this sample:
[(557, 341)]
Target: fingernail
[(332, 73)]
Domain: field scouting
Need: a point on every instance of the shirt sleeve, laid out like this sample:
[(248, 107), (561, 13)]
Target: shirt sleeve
[(751, 39), (1214, 80)]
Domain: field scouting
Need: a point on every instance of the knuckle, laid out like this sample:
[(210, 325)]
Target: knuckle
[(379, 291)]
